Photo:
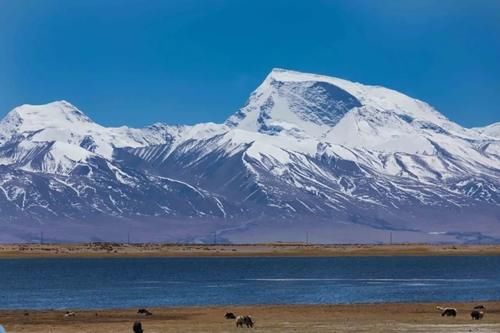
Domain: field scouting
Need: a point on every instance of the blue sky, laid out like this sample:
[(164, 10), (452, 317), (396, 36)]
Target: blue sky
[(140, 62)]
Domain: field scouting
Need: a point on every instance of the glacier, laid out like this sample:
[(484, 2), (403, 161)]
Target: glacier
[(338, 161)]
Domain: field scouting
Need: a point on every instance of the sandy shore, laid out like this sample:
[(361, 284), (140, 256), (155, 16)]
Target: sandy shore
[(171, 250), (319, 318)]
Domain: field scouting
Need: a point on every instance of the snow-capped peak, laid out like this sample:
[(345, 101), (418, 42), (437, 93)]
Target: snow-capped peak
[(294, 103), (63, 123), (54, 114), (293, 98), (338, 111), (31, 118)]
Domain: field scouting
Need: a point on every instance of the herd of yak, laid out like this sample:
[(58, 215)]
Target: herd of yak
[(477, 313), (239, 320)]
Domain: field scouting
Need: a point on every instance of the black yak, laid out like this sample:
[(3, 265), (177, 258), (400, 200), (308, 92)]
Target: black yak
[(477, 315), (448, 312), (244, 320), (137, 327), (229, 315), (144, 312)]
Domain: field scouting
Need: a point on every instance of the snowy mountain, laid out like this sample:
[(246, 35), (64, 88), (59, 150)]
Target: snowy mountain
[(492, 130), (307, 154)]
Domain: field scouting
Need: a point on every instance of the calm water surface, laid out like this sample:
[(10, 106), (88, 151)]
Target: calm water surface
[(121, 283)]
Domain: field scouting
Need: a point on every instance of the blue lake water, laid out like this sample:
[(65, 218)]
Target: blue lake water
[(148, 282)]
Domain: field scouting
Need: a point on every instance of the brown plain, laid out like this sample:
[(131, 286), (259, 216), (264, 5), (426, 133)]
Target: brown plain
[(379, 318), (278, 249)]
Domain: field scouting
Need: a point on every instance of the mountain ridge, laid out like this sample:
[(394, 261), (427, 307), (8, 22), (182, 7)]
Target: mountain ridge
[(340, 160)]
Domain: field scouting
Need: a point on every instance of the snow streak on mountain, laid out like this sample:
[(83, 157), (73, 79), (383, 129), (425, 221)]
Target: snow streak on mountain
[(338, 160)]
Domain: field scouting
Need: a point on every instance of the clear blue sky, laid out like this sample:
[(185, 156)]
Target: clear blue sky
[(187, 61)]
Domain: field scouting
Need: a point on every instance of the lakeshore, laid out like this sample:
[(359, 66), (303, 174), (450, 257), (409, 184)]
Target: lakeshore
[(373, 318), (97, 250)]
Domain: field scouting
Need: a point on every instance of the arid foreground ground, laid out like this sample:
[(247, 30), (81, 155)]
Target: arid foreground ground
[(279, 249), (328, 318)]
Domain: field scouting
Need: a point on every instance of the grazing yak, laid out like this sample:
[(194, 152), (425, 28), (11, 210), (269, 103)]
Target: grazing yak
[(144, 312), (448, 312), (137, 327), (244, 320), (477, 315), (229, 315)]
